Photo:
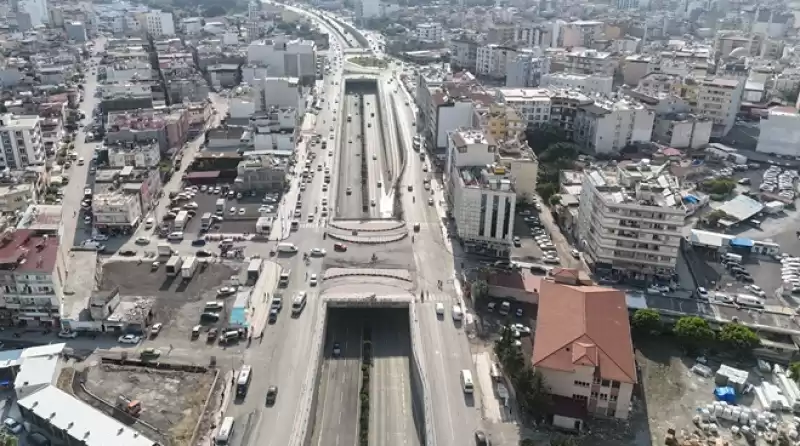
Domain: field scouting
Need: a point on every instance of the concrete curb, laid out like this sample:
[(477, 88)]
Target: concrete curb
[(400, 225), (378, 240), (365, 274)]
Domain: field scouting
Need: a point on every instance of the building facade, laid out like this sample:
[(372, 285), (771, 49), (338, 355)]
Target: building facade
[(21, 141)]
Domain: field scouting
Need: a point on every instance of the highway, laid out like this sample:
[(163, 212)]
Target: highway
[(338, 401), (378, 181), (350, 199), (391, 412)]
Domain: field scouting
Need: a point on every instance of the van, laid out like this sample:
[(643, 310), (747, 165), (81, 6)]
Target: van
[(494, 372), (213, 306), (299, 303), (505, 308), (746, 300), (283, 280), (457, 313), (229, 336), (732, 257), (287, 248), (175, 236), (467, 384), (225, 432)]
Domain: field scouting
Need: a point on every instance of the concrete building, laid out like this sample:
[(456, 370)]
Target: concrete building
[(580, 33), (609, 124), (368, 9), (280, 92), (448, 105), (522, 165), (630, 222), (141, 155), (464, 53), (779, 132), (564, 108), (502, 121), (159, 23), (261, 173), (17, 197), (656, 84), (583, 350), (585, 61), (585, 83), (168, 127), (76, 31), (116, 210), (491, 60), (21, 141), (719, 99), (285, 57), (533, 104), (682, 130), (480, 192), (37, 11), (526, 68), (430, 32), (32, 275), (635, 67)]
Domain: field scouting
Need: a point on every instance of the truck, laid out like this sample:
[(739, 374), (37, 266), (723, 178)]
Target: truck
[(164, 250), (173, 266), (220, 208), (254, 270), (205, 221), (180, 221), (189, 267)]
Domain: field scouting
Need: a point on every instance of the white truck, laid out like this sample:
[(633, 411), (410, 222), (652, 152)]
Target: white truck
[(173, 266), (164, 250), (180, 221), (189, 267)]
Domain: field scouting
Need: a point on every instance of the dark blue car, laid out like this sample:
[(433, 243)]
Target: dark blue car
[(198, 242)]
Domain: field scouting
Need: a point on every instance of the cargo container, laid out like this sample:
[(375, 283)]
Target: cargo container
[(173, 266), (189, 267)]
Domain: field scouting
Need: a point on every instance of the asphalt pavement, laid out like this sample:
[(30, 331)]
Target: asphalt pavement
[(350, 205)]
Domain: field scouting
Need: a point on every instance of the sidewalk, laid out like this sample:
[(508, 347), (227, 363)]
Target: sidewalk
[(262, 296)]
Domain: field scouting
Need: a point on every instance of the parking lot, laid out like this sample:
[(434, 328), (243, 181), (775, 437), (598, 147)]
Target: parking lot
[(178, 304), (531, 240)]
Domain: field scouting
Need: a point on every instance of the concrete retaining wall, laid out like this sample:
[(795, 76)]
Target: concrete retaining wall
[(306, 417), (420, 394)]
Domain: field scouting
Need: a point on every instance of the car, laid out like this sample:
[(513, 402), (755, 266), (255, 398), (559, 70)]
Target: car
[(150, 353), (129, 339), (100, 238), (653, 290), (439, 309), (341, 247), (127, 253), (156, 329), (226, 291), (242, 211), (317, 252), (12, 425), (521, 329), (67, 334), (755, 289), (272, 395), (312, 280), (372, 203), (481, 439), (430, 201), (142, 241), (337, 349), (575, 253), (517, 242), (204, 253), (199, 242), (273, 315)]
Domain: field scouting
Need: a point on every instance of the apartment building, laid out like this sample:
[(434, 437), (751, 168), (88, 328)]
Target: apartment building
[(142, 155), (779, 132), (682, 130), (630, 222), (585, 83), (502, 121), (158, 24), (590, 62), (37, 13), (719, 99), (464, 53), (281, 92), (491, 60), (658, 84), (583, 350), (429, 32), (285, 57), (21, 141), (32, 275), (116, 210), (533, 104), (480, 192), (522, 165), (611, 123), (526, 68), (635, 67), (16, 197), (580, 33), (564, 106)]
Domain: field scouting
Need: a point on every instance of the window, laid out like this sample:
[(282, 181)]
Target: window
[(615, 384), (579, 397), (613, 398), (605, 383), (597, 380), (581, 384), (603, 396), (594, 395)]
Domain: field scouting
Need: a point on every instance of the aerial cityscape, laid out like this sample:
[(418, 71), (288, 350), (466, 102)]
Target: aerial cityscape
[(378, 223)]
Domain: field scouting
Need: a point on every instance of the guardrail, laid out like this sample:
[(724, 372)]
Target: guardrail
[(428, 436), (302, 431)]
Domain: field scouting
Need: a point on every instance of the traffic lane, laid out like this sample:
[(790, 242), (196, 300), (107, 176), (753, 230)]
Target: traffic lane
[(351, 157), (391, 413), (337, 422)]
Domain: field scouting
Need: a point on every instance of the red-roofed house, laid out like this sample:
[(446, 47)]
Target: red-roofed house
[(32, 272), (583, 349)]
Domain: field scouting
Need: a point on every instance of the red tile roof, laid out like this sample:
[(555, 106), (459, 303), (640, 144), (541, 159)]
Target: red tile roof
[(584, 326), (24, 251)]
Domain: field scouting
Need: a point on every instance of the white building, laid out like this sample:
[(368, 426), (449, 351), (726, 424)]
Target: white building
[(580, 33), (368, 9), (719, 99), (533, 104), (522, 165), (431, 32), (140, 155), (158, 23), (585, 83), (682, 130), (480, 192), (526, 68), (492, 59), (279, 92), (37, 10), (608, 125), (591, 62), (284, 57), (192, 25), (780, 132), (630, 221), (21, 141), (116, 210)]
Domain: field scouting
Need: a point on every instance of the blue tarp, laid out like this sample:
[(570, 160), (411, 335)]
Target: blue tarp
[(691, 199), (726, 394), (742, 242), (238, 317)]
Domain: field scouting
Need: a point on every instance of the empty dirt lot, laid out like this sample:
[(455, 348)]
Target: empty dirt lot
[(171, 401)]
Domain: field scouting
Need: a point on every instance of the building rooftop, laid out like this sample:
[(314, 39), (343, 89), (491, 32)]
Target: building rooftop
[(640, 184), (584, 326), (12, 121), (720, 82), (81, 421), (25, 251), (41, 218), (524, 94), (494, 176)]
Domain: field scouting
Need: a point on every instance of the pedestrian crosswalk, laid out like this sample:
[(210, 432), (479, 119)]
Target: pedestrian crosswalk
[(439, 297)]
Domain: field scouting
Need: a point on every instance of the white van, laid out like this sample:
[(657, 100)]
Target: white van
[(466, 381), (287, 247), (225, 432), (299, 303), (747, 300), (175, 236), (457, 313)]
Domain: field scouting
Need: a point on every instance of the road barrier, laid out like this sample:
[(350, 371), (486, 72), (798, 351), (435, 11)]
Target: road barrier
[(303, 429), (427, 434), (373, 240)]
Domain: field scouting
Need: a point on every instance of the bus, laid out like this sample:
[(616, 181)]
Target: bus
[(299, 303), (225, 432), (466, 381), (243, 382)]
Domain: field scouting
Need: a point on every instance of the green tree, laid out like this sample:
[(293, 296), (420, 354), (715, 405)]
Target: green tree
[(715, 216), (547, 190), (541, 138), (719, 186), (646, 320), (563, 441), (527, 442), (739, 337), (480, 289), (693, 331), (794, 371), (560, 151), (534, 399), (554, 200)]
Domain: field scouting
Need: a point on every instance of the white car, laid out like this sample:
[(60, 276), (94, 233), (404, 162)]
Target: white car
[(317, 252), (142, 241), (242, 211), (755, 289), (12, 425), (156, 329), (313, 280), (653, 290), (232, 211), (100, 238), (440, 308), (149, 223), (66, 334), (129, 339)]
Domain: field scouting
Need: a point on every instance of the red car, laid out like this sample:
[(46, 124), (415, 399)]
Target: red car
[(340, 247)]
